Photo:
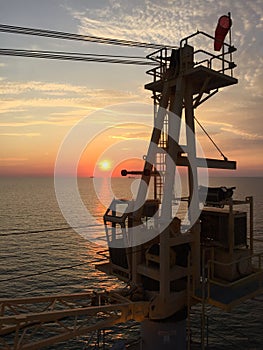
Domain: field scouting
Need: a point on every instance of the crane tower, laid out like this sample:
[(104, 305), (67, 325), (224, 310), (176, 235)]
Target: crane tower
[(147, 243)]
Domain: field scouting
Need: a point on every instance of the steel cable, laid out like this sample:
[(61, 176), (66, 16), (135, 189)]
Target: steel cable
[(68, 56), (70, 36)]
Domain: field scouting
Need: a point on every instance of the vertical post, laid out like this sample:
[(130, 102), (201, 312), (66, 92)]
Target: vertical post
[(155, 185), (223, 58), (192, 168), (114, 224), (165, 265), (213, 263), (191, 149), (231, 233), (104, 348), (207, 329), (189, 295), (135, 261), (251, 225), (209, 268), (203, 302), (174, 125), (230, 43)]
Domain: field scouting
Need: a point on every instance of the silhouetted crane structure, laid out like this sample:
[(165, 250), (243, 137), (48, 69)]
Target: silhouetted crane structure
[(168, 268)]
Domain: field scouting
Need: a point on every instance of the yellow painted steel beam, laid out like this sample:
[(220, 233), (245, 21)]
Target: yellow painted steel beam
[(67, 323)]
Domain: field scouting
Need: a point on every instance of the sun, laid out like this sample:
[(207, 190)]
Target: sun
[(105, 165)]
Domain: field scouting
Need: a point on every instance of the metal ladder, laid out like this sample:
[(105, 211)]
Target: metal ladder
[(160, 56)]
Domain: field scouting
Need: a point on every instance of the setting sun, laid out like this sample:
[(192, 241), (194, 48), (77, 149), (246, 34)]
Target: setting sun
[(105, 165)]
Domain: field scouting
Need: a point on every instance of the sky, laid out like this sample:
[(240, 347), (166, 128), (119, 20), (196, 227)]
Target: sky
[(42, 101)]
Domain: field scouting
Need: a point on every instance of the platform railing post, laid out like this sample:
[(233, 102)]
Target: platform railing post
[(203, 302)]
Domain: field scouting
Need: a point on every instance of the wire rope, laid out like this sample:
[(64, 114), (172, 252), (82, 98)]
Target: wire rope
[(210, 138), (68, 56), (70, 36), (43, 231)]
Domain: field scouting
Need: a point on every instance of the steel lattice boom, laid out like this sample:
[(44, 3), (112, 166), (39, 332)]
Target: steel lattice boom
[(32, 323)]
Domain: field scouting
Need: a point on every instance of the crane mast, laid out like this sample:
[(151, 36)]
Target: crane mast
[(168, 260), (147, 243)]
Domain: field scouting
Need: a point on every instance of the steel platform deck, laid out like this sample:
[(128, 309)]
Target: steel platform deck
[(228, 296), (199, 76)]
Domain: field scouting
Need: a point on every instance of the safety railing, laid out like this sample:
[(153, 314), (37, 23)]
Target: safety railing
[(224, 58), (162, 58), (221, 62), (254, 270)]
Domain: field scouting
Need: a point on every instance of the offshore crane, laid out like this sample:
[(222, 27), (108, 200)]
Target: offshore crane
[(168, 267)]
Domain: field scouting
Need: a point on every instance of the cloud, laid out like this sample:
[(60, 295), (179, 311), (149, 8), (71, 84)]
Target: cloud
[(133, 136), (244, 134), (54, 103), (27, 134), (137, 20), (216, 127), (168, 21), (22, 88), (220, 124)]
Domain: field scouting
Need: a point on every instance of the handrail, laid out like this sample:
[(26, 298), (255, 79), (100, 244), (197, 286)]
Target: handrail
[(162, 59), (231, 47), (229, 50), (220, 57), (256, 270)]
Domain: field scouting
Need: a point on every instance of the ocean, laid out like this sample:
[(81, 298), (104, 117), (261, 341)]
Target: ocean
[(42, 255)]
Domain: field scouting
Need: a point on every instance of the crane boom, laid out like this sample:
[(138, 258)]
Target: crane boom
[(32, 323)]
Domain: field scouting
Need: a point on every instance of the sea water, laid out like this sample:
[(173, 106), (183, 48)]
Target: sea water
[(41, 254)]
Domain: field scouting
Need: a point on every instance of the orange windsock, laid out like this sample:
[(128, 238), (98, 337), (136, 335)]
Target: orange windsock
[(223, 26)]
